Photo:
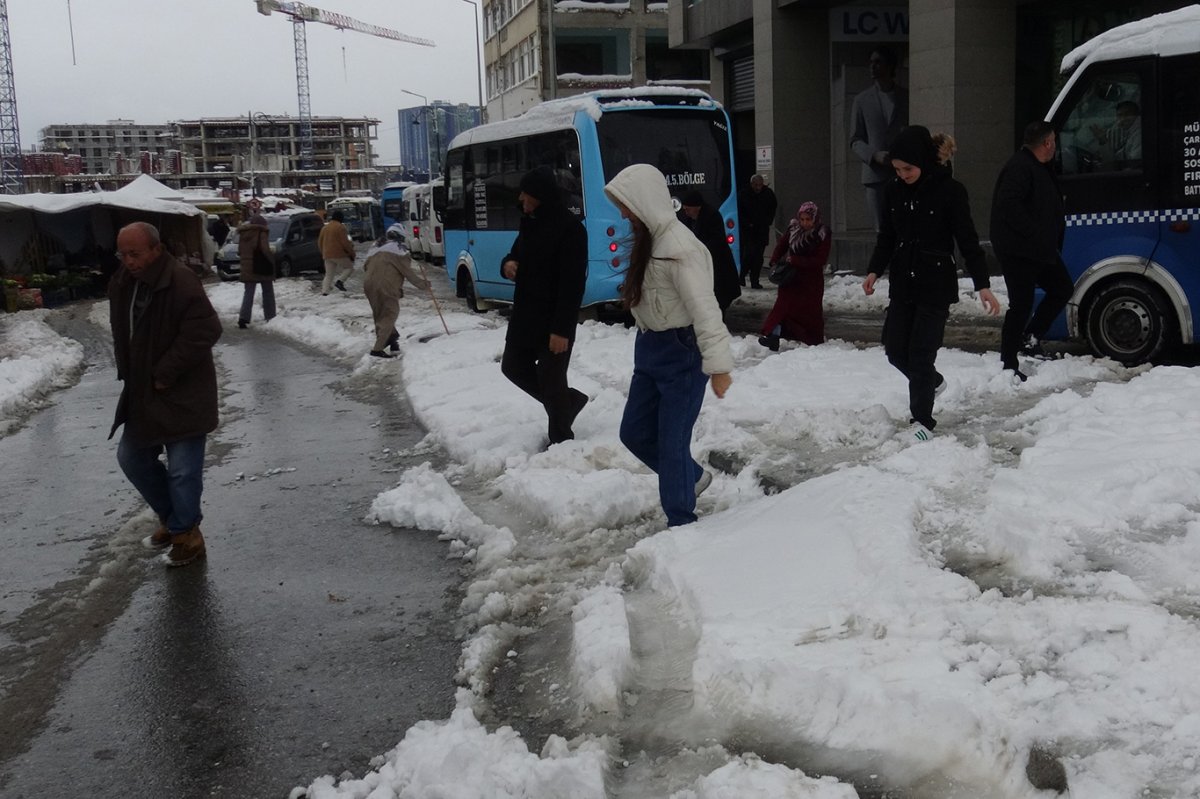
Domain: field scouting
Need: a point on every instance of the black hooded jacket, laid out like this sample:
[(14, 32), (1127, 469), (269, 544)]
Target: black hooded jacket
[(921, 226), (551, 252)]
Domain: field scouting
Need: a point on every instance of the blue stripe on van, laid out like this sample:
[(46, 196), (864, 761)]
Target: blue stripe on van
[(1133, 217)]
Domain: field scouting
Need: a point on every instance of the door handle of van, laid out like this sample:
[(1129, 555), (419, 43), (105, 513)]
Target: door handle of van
[(1181, 227)]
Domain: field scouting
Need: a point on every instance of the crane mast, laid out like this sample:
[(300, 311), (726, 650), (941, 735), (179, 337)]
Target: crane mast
[(301, 14), (11, 179)]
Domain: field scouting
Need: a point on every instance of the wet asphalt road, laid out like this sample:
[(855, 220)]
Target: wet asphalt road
[(306, 644)]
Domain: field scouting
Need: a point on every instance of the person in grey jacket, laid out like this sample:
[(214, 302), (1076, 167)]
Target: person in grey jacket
[(386, 268), (682, 344), (877, 115), (1027, 231)]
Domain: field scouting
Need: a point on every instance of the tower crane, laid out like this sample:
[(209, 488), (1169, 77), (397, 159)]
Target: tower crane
[(301, 14), (11, 181)]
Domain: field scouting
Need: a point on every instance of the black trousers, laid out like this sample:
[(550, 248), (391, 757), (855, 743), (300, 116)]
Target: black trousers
[(543, 375), (912, 336), (1022, 277), (754, 244)]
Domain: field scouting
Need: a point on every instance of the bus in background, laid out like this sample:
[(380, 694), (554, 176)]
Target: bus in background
[(362, 216), (390, 201), (586, 139), (412, 222), (1128, 160)]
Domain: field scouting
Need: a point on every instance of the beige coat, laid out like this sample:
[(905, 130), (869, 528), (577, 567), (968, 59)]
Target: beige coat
[(386, 270), (334, 241)]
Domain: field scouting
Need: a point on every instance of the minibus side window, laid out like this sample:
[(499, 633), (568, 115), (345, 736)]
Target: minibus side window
[(1102, 131)]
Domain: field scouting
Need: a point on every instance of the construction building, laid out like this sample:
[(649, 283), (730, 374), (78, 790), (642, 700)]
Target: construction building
[(253, 152), (426, 130), (537, 50)]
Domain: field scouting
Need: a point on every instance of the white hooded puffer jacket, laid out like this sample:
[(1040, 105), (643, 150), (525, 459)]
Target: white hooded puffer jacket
[(678, 287)]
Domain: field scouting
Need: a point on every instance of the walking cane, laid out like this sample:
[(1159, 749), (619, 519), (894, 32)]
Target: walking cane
[(436, 307)]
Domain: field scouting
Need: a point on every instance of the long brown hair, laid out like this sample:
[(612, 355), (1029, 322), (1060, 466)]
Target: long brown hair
[(639, 259)]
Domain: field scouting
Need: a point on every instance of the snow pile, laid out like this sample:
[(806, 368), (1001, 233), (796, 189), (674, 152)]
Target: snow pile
[(34, 361)]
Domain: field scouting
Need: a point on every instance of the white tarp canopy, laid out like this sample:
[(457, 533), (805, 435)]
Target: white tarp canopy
[(39, 231), (146, 186)]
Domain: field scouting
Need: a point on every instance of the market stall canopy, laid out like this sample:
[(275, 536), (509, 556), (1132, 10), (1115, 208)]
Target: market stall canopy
[(146, 186)]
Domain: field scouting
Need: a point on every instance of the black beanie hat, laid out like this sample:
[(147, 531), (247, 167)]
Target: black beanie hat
[(915, 146), (539, 184)]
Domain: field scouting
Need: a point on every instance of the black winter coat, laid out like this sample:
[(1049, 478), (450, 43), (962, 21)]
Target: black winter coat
[(756, 211), (171, 343), (916, 239), (1027, 211), (551, 252), (710, 229)]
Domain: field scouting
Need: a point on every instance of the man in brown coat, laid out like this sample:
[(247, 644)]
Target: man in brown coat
[(338, 252), (164, 329)]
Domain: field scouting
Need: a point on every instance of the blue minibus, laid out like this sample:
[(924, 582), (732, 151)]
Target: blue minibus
[(586, 139), (1128, 160)]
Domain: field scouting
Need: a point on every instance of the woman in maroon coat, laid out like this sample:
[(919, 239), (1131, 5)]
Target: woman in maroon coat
[(797, 314)]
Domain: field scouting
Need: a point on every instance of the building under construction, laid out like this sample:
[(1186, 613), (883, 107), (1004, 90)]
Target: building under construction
[(255, 152)]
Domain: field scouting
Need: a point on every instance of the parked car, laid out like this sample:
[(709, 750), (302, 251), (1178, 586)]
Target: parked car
[(293, 237)]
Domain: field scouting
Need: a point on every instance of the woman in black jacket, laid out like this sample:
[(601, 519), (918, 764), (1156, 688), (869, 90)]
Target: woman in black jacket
[(927, 214)]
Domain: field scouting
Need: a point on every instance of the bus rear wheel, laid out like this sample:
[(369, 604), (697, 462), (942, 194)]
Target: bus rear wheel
[(1130, 322), (465, 288)]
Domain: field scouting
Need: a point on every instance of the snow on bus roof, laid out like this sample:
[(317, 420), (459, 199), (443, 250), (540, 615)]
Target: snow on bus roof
[(559, 114), (1171, 33)]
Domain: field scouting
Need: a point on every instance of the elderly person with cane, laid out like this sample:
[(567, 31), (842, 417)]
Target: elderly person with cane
[(386, 268)]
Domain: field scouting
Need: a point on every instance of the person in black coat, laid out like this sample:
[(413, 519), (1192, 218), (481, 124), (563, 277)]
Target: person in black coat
[(548, 262), (927, 213), (756, 210), (1027, 234), (705, 222)]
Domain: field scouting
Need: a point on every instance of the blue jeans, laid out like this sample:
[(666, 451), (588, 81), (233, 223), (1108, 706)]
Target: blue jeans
[(665, 396), (268, 300), (172, 491)]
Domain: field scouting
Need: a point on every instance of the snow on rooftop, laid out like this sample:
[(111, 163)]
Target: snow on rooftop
[(1171, 33), (559, 114)]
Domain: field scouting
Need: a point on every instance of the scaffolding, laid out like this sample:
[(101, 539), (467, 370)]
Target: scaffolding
[(11, 178)]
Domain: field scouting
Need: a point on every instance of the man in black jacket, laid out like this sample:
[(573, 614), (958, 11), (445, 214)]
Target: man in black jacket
[(1027, 235), (756, 210), (548, 263), (705, 221)]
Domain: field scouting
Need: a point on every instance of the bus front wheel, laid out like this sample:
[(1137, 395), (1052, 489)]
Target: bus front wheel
[(1130, 322), (465, 288)]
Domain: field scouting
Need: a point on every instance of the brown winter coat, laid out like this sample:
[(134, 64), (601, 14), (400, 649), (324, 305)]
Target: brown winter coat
[(170, 343), (253, 235), (334, 241)]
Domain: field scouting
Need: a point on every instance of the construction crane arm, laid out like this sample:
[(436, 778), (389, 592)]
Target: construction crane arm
[(312, 14)]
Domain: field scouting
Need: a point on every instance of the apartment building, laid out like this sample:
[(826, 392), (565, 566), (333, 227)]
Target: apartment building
[(98, 145), (426, 130), (537, 50)]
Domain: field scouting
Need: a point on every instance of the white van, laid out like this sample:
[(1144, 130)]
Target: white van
[(432, 247), (410, 220)]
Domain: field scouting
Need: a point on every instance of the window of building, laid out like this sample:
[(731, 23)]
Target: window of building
[(663, 63), (592, 52)]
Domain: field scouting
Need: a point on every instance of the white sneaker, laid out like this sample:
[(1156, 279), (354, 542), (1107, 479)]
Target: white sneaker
[(703, 483), (920, 432)]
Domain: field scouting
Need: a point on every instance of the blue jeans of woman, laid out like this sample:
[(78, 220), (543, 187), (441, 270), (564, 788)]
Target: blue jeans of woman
[(912, 336), (268, 300), (665, 396), (172, 490)]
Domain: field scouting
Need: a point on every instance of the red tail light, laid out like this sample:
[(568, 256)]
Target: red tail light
[(729, 239), (729, 224), (437, 235), (416, 231)]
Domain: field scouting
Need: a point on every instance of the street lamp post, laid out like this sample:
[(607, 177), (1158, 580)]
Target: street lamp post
[(478, 62), (428, 148)]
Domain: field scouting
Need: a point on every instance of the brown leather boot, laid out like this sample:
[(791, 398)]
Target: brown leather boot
[(185, 548), (159, 539)]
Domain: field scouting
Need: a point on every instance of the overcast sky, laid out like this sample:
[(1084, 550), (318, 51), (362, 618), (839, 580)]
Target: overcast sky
[(154, 61)]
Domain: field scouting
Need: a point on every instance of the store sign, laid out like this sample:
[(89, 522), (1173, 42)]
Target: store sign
[(764, 158), (868, 24)]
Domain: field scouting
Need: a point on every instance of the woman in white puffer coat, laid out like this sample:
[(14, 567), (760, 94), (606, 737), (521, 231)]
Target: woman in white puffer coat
[(681, 345)]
